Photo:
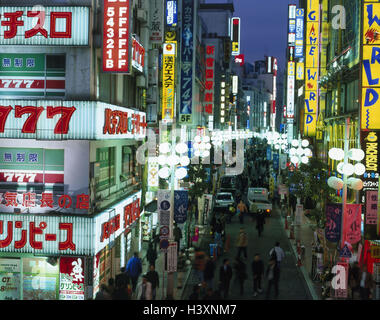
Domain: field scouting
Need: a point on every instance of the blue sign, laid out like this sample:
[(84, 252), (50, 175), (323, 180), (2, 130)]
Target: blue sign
[(299, 30), (171, 13), (345, 252), (269, 153), (292, 25), (165, 205), (333, 222), (276, 161), (187, 60), (181, 200)]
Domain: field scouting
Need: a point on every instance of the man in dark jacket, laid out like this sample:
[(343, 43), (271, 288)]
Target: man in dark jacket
[(153, 278), (208, 273), (273, 276), (225, 276), (257, 272), (260, 221), (151, 254)]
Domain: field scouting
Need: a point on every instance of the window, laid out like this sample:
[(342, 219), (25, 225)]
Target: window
[(127, 161), (106, 159), (56, 62)]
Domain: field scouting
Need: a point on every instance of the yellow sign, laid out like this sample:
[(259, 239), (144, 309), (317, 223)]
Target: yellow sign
[(371, 27), (300, 74), (168, 81), (370, 111), (310, 125), (235, 46)]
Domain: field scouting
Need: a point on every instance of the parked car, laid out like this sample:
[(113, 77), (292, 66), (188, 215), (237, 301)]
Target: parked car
[(258, 200), (224, 200)]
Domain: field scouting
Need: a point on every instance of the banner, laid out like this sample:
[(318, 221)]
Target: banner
[(181, 200), (187, 49), (352, 223), (71, 274), (168, 82), (333, 222), (371, 207), (299, 33), (156, 10), (210, 79)]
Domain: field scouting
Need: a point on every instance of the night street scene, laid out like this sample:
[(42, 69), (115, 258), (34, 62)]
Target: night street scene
[(189, 151)]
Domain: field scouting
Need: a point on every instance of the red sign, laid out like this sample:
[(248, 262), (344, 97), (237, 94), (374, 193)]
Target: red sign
[(29, 200), (13, 20), (240, 59), (138, 54), (120, 122), (34, 113), (71, 278), (116, 36), (209, 82), (33, 232), (30, 176), (352, 224), (109, 227), (131, 214)]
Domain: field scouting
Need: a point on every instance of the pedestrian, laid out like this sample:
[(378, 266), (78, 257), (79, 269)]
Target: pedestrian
[(225, 276), (209, 273), (103, 294), (366, 284), (111, 286), (243, 210), (242, 243), (122, 277), (177, 232), (153, 278), (213, 224), (273, 277), (209, 295), (151, 254), (121, 290), (199, 264), (218, 241), (277, 253), (260, 221), (354, 279), (257, 273), (144, 290), (195, 294), (241, 273), (134, 269)]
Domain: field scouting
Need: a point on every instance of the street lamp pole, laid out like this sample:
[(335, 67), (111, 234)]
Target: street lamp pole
[(346, 147)]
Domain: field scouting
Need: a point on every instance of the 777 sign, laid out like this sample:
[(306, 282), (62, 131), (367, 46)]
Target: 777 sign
[(34, 114)]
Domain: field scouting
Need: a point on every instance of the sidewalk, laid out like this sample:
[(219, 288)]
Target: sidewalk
[(305, 234)]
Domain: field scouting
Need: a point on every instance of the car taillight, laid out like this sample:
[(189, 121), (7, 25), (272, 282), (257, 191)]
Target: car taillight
[(268, 210)]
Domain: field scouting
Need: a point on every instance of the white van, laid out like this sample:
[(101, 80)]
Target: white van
[(258, 200)]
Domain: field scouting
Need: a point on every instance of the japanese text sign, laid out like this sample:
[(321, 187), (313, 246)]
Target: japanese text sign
[(116, 36), (168, 82), (62, 26), (235, 36), (210, 79)]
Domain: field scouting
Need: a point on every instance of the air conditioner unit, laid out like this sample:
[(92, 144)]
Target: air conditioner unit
[(142, 15)]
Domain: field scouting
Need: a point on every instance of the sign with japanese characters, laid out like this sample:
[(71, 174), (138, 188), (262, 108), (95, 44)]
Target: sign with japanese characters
[(352, 223), (210, 79), (333, 222), (299, 33), (370, 145), (64, 120), (187, 49), (171, 12), (235, 36), (153, 167), (371, 207), (116, 36), (168, 82), (156, 10), (44, 26), (32, 165), (10, 288), (370, 102), (71, 278), (138, 55), (311, 68), (181, 199), (26, 75)]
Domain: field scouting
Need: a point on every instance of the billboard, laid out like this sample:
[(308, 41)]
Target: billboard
[(156, 11), (116, 36), (45, 26), (168, 82), (299, 30), (235, 36), (210, 79), (311, 68)]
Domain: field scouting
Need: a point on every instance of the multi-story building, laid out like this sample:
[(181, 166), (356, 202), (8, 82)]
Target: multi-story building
[(72, 118)]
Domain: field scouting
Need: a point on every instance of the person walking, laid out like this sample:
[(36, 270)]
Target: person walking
[(195, 294), (122, 277), (111, 286), (209, 273), (151, 254), (199, 264), (134, 269), (177, 235), (121, 290), (144, 291), (260, 221), (242, 243), (153, 278), (354, 279), (257, 272), (225, 276), (103, 294), (242, 209), (241, 273), (366, 284), (273, 277), (277, 253)]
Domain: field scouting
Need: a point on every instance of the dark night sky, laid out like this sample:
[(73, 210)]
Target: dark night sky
[(263, 27)]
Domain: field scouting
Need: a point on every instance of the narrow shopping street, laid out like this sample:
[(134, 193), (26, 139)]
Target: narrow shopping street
[(292, 285)]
